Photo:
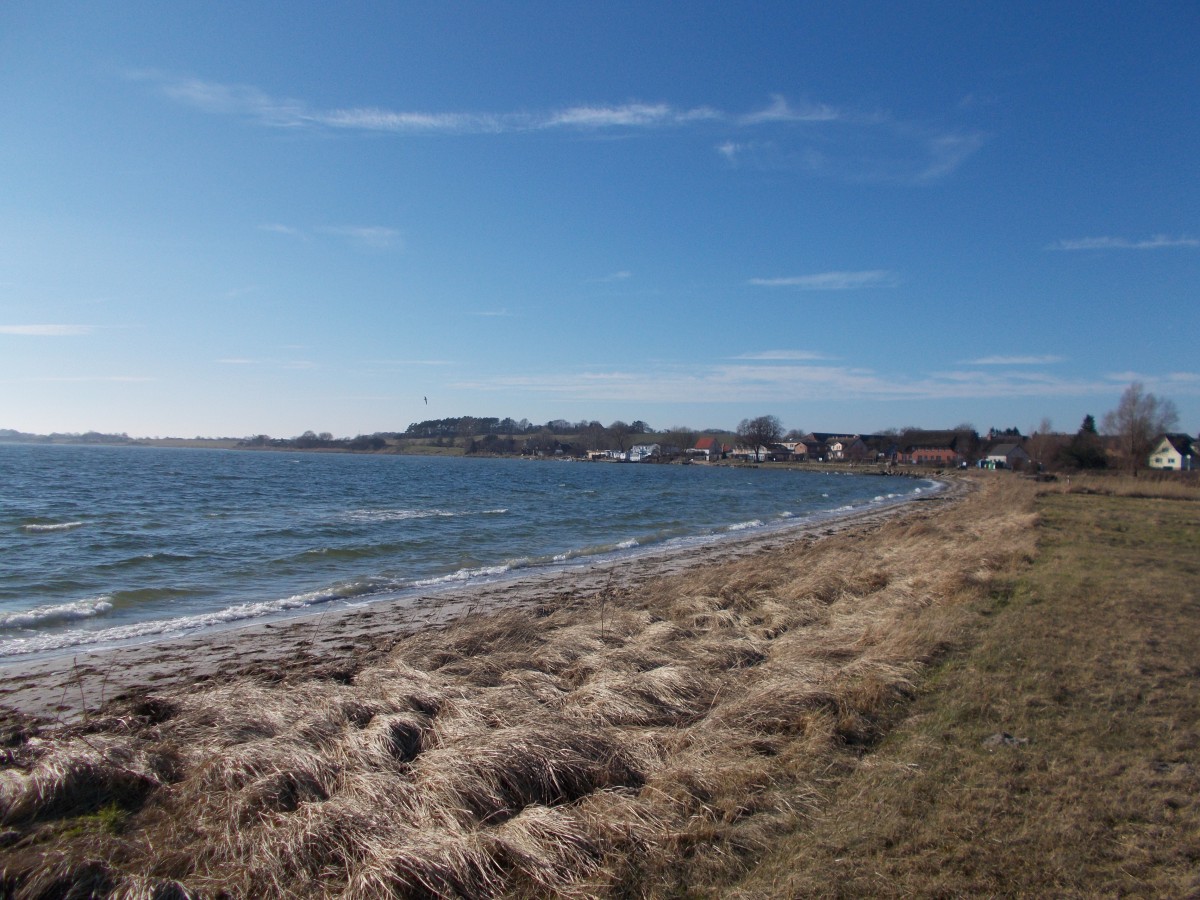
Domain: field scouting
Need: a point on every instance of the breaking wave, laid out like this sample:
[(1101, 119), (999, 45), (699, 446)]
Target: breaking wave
[(240, 612), (57, 614)]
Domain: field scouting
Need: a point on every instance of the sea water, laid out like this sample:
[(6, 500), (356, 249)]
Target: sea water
[(108, 545)]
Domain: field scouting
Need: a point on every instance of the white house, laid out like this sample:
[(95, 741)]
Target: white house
[(1177, 452), (1006, 456), (638, 452)]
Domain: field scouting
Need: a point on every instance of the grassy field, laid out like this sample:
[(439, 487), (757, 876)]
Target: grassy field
[(994, 694), (1058, 755)]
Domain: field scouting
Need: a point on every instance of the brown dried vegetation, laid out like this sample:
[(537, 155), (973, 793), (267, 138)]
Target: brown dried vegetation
[(626, 744)]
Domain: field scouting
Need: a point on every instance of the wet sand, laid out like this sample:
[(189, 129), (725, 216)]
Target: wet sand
[(335, 643)]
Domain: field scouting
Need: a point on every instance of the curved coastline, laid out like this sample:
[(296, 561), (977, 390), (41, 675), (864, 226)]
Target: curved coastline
[(70, 683)]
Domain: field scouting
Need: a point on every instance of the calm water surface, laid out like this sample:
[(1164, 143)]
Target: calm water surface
[(103, 545)]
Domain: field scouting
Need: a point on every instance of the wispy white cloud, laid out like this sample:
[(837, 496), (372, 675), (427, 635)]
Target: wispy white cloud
[(1157, 242), (493, 313), (89, 379), (370, 119), (864, 146), (630, 115), (1047, 359), (373, 236), (289, 364), (946, 152), (411, 362), (377, 237), (622, 275), (229, 99), (731, 150), (46, 330), (795, 355), (831, 281), (780, 110), (1174, 383), (760, 381), (276, 228)]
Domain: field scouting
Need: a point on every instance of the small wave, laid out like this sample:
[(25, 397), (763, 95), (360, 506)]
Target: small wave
[(396, 515), (144, 558), (742, 526), (44, 643), (594, 550), (62, 612), (465, 575), (59, 526), (401, 515)]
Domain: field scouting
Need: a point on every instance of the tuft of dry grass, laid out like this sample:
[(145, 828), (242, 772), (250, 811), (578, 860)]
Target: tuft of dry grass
[(654, 737), (1147, 485)]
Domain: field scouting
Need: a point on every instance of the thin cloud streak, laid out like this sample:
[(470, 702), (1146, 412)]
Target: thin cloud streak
[(1014, 360), (376, 237), (276, 228), (789, 383), (84, 379), (831, 281), (1157, 242), (793, 355), (781, 111), (46, 330)]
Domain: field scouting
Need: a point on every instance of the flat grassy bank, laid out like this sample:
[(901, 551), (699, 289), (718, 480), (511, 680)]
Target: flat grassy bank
[(1060, 754), (825, 717)]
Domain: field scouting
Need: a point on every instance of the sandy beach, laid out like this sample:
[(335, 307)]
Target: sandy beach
[(64, 688)]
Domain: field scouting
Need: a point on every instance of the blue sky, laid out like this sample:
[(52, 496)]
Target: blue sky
[(228, 218)]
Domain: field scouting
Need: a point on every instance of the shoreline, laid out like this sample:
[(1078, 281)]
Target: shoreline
[(328, 643)]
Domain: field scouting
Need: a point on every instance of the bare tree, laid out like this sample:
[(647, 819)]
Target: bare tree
[(620, 434), (1041, 442), (679, 436), (761, 432), (1138, 420)]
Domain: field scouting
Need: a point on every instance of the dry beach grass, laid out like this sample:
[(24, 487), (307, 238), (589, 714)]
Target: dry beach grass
[(661, 737)]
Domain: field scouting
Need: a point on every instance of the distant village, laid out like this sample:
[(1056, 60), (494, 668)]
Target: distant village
[(760, 440), (932, 449)]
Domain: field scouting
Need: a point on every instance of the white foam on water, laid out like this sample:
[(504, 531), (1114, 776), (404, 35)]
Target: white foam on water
[(47, 529), (61, 612), (742, 526), (57, 641)]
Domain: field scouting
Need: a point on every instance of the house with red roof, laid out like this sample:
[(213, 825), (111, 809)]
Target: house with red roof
[(708, 449)]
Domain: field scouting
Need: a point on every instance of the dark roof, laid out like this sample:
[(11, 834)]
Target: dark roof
[(949, 440), (1182, 443)]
